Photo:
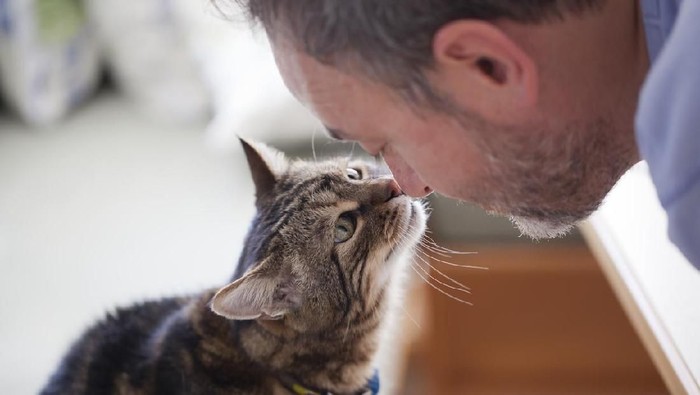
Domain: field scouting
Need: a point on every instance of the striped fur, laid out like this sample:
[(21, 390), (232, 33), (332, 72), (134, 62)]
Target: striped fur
[(303, 304)]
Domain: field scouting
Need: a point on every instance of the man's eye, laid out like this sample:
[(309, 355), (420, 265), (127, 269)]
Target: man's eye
[(353, 174)]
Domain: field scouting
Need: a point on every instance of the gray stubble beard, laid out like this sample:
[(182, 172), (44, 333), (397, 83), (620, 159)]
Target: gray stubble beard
[(547, 182)]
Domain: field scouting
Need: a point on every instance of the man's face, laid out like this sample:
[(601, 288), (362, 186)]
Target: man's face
[(544, 179)]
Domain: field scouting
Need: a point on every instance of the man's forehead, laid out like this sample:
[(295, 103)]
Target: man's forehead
[(319, 87), (289, 65)]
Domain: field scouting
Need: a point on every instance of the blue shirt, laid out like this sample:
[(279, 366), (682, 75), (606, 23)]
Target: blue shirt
[(668, 116)]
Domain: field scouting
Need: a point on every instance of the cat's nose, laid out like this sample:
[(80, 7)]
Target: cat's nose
[(384, 190), (393, 190)]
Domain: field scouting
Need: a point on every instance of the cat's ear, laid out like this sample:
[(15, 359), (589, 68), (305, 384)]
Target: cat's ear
[(256, 295), (266, 166)]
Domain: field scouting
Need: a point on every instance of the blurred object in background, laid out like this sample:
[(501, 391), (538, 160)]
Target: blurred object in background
[(177, 61), (145, 45), (544, 320), (48, 58)]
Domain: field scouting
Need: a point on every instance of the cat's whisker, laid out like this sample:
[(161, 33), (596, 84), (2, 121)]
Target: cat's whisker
[(427, 247), (431, 249), (426, 207), (432, 267), (458, 289), (352, 150), (459, 286), (445, 249), (459, 265), (439, 289), (313, 144), (410, 317), (428, 241), (403, 239), (416, 266)]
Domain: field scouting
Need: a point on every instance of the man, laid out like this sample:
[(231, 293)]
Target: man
[(526, 108)]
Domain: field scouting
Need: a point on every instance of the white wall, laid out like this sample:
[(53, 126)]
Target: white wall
[(100, 211)]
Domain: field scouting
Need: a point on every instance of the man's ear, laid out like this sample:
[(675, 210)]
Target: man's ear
[(256, 295), (478, 65), (266, 166)]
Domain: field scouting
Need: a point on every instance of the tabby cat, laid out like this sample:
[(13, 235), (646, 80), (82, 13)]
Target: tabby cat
[(306, 308)]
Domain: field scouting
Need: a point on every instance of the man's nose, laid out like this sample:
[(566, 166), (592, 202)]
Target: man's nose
[(407, 179), (418, 190)]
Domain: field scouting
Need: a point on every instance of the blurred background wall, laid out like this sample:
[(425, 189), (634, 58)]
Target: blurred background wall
[(121, 179)]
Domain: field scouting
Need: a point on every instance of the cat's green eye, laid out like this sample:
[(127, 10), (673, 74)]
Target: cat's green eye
[(353, 174), (345, 227)]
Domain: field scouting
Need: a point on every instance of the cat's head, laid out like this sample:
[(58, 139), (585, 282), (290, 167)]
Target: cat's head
[(327, 240)]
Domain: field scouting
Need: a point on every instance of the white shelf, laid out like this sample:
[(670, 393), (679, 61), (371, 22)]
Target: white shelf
[(658, 287)]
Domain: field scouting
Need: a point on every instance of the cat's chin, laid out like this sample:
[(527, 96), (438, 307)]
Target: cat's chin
[(416, 219), (410, 225)]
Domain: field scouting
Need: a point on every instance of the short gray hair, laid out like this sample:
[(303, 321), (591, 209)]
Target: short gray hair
[(391, 41)]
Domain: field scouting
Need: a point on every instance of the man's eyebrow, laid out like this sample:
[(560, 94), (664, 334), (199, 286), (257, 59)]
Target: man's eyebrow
[(335, 134)]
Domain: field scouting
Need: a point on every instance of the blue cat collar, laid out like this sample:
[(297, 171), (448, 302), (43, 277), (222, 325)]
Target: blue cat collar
[(373, 384)]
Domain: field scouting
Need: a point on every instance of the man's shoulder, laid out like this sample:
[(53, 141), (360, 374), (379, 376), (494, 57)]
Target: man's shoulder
[(666, 124)]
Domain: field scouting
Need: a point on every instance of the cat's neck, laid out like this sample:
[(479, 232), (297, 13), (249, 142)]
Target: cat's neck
[(337, 361)]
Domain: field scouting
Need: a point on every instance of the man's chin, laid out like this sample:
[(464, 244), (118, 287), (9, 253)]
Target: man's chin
[(544, 223), (542, 229)]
